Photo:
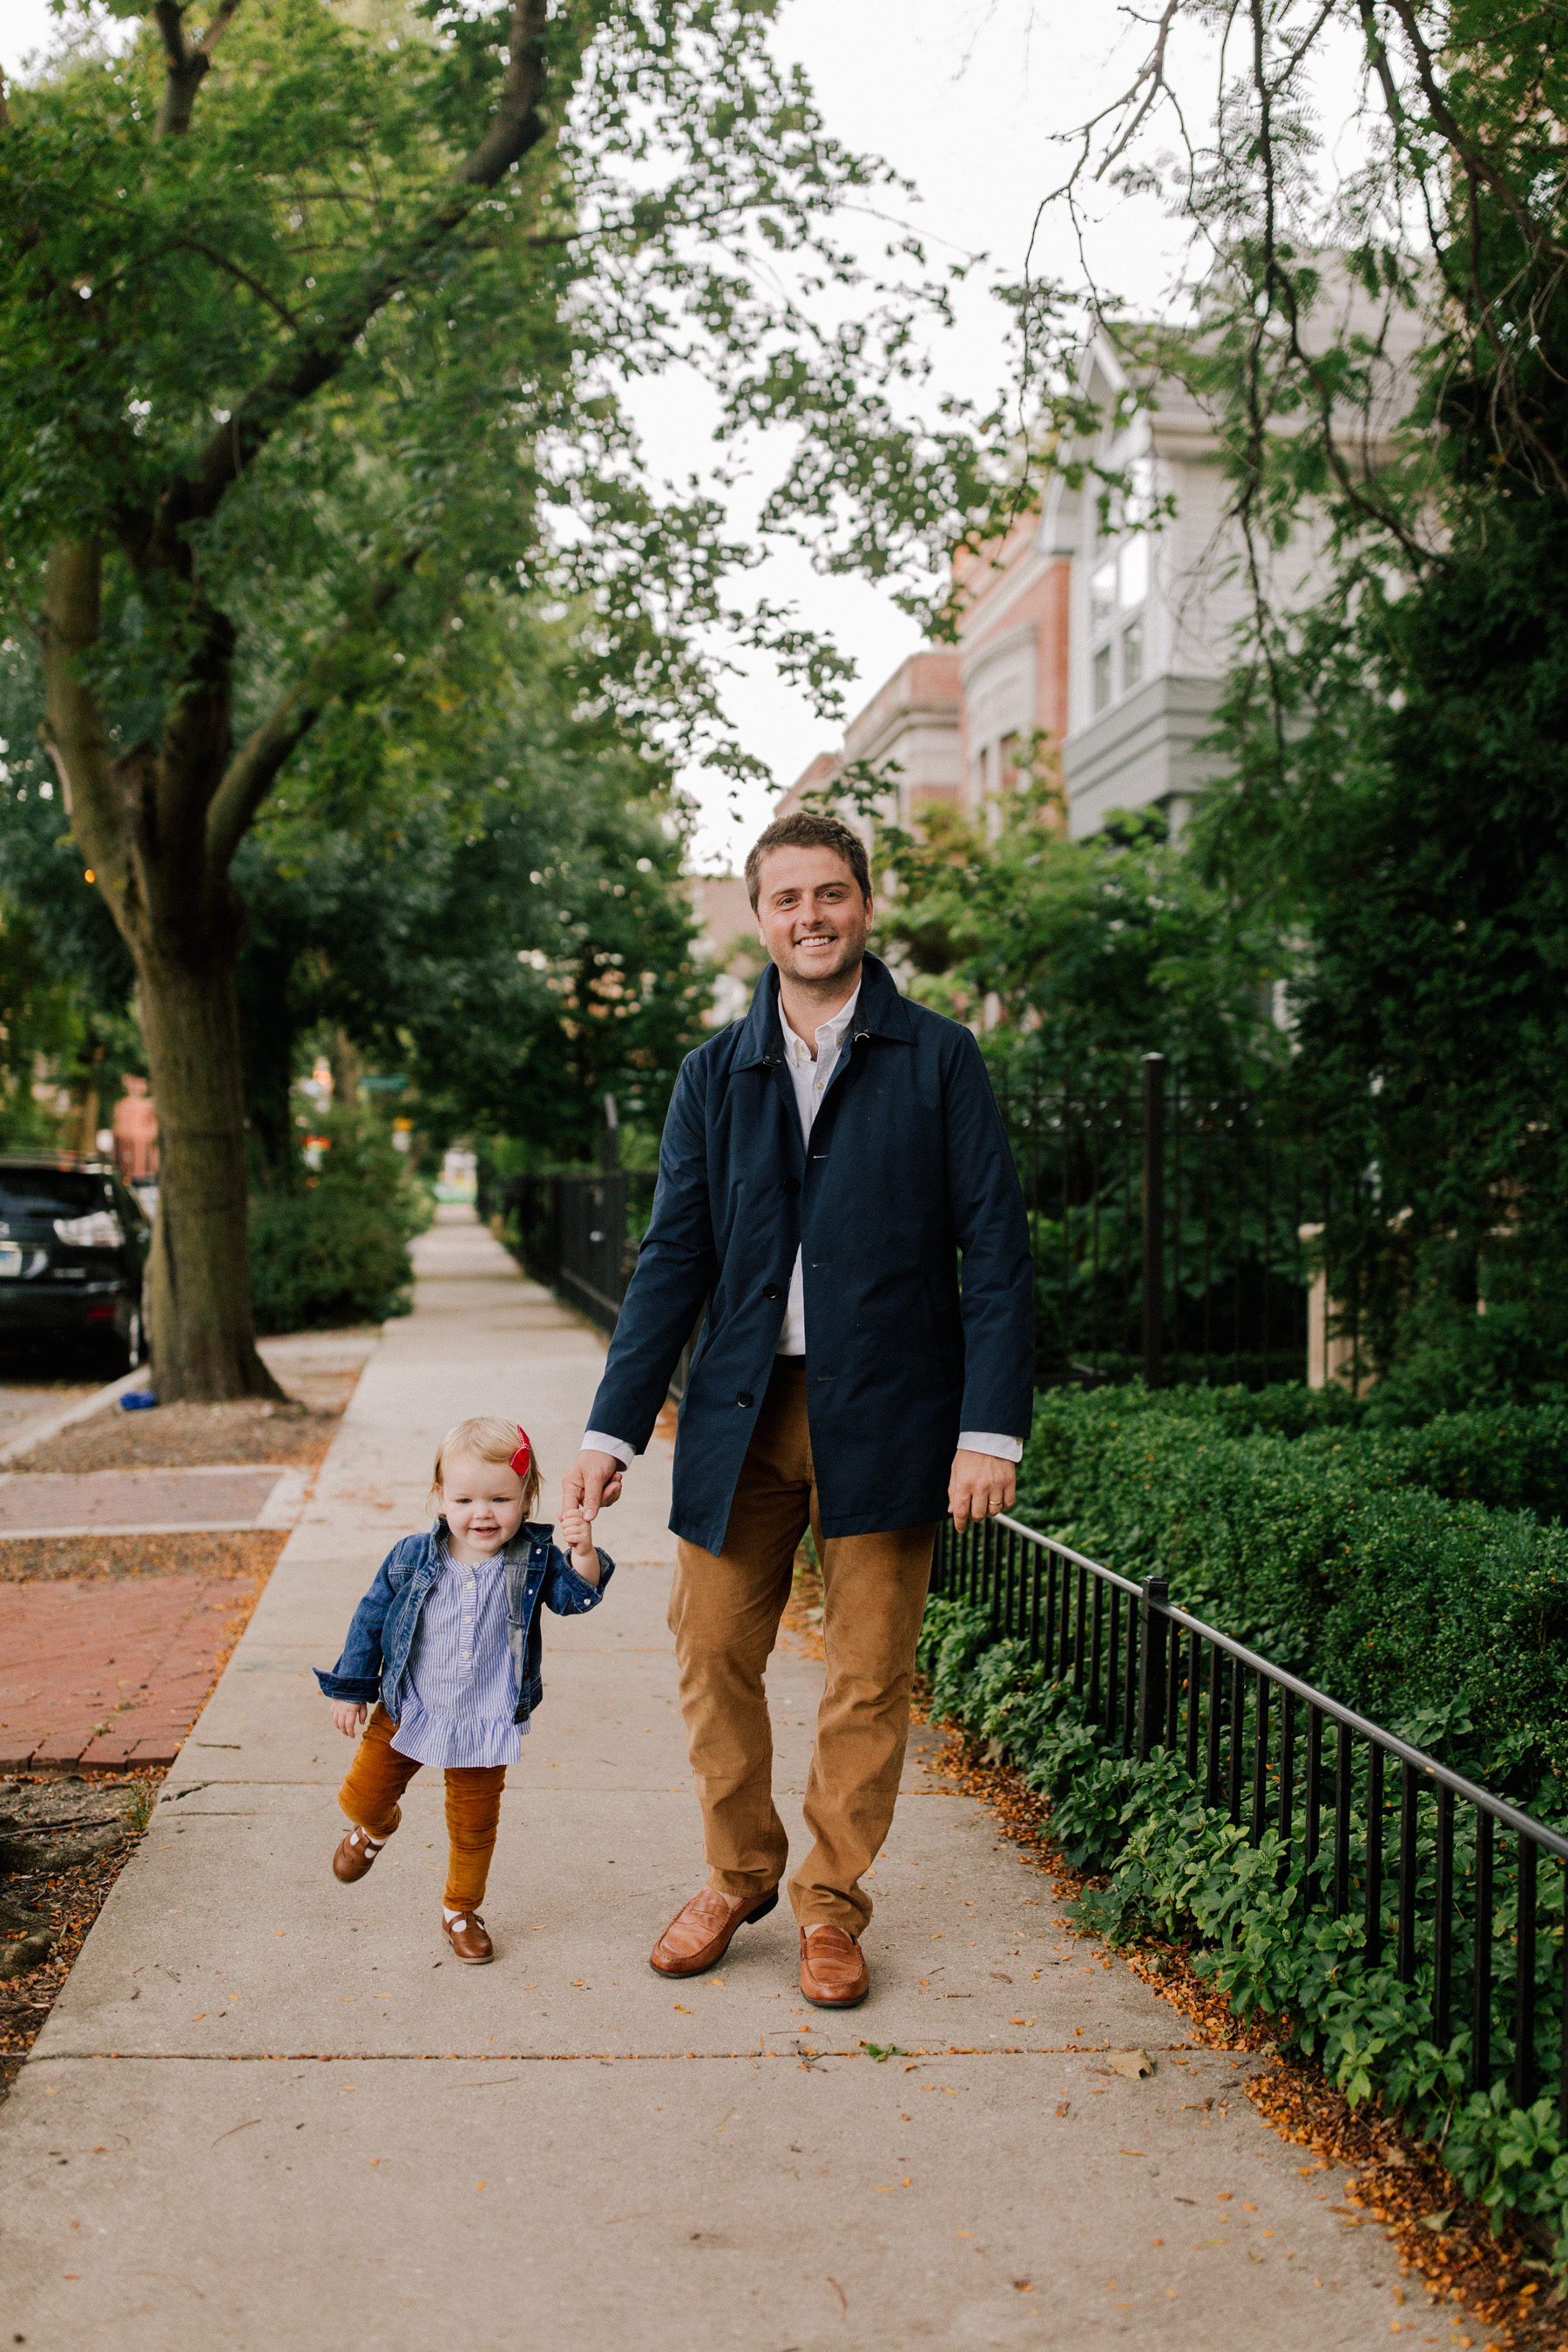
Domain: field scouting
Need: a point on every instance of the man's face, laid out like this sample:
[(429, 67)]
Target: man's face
[(811, 915)]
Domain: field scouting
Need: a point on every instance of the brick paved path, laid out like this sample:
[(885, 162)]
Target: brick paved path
[(112, 1674)]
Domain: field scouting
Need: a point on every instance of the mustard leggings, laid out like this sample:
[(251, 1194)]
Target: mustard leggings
[(379, 1775)]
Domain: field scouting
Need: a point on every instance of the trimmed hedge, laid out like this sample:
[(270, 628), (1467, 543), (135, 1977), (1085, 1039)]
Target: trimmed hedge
[(1511, 1456), (1343, 1558), (1183, 1869)]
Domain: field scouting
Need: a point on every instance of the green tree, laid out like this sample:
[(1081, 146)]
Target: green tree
[(311, 330), (1384, 351), (1079, 950), (453, 935)]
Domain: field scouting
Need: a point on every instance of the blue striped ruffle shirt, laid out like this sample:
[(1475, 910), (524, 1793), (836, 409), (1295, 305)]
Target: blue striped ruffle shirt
[(461, 1692)]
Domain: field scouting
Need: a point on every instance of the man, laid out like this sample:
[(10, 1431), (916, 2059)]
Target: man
[(825, 1162)]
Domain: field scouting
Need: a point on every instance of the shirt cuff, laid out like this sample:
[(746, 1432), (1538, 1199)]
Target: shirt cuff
[(971, 1441), (596, 1440)]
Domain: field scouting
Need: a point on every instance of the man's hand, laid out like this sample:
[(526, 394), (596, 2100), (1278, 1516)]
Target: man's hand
[(593, 1483), (980, 1485), (349, 1714)]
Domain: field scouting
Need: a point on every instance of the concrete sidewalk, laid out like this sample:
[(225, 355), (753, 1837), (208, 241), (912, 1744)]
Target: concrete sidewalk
[(206, 2150)]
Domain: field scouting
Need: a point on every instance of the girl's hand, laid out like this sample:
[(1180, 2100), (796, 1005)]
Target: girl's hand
[(350, 1715), (579, 1542)]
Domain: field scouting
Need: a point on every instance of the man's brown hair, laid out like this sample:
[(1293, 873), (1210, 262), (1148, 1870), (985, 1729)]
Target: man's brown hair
[(809, 829)]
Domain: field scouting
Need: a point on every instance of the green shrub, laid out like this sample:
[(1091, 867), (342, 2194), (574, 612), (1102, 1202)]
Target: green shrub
[(337, 1252), (1342, 1558), (1182, 1868), (1512, 1455)]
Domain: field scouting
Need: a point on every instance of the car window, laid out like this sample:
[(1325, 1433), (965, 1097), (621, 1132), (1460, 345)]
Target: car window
[(51, 1192)]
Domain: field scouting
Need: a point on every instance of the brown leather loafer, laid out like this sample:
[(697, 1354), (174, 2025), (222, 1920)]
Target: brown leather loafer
[(701, 1931), (466, 1935), (356, 1855), (833, 1971)]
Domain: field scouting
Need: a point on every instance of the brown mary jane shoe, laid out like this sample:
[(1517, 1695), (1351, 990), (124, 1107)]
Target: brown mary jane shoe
[(354, 1856), (466, 1935)]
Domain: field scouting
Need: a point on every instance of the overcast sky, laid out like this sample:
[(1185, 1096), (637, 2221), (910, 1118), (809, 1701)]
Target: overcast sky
[(961, 96)]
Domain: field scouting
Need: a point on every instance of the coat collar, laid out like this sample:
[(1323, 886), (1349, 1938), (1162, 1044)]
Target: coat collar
[(880, 1012)]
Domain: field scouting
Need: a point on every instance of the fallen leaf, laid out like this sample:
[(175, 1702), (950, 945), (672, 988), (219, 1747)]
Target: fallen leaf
[(1131, 2062), (681, 2013), (1064, 2106), (1132, 2151)]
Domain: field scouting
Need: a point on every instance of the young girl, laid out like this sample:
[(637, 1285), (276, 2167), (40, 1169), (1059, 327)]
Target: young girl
[(447, 1643)]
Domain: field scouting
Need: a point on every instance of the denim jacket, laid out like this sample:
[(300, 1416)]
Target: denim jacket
[(374, 1663)]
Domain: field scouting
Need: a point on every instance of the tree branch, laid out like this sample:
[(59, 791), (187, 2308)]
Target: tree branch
[(76, 733), (519, 125), (187, 68), (236, 270), (1471, 155), (255, 767)]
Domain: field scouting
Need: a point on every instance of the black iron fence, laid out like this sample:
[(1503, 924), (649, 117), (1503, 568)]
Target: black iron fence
[(1435, 1871), (1177, 1231), (576, 1230)]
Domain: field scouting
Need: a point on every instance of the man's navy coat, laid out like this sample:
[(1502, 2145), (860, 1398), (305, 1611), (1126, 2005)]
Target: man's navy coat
[(907, 1166)]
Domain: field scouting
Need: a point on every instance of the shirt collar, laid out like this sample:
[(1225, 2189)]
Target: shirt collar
[(833, 1029)]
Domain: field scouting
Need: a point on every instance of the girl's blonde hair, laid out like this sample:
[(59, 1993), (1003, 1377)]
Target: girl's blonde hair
[(488, 1438)]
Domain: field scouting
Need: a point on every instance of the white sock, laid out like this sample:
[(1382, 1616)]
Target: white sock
[(450, 1915)]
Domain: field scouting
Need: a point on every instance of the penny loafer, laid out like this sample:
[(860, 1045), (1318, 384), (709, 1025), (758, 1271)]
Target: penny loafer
[(466, 1935), (356, 1855), (701, 1931), (833, 1971)]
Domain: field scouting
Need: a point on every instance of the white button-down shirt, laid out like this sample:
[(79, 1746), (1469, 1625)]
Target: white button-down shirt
[(811, 1076)]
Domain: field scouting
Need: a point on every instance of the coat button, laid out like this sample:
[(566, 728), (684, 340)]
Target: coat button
[(790, 1185), (745, 1397), (771, 1290)]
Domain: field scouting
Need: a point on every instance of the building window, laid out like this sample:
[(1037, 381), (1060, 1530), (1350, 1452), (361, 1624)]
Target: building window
[(1118, 592)]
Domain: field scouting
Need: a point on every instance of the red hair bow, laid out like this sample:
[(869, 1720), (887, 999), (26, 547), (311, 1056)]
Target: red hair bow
[(524, 1455)]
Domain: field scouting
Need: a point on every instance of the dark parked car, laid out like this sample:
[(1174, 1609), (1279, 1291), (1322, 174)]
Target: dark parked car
[(73, 1257)]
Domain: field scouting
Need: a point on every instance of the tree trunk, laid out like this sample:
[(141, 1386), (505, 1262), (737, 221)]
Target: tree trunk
[(204, 1332), (140, 816)]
